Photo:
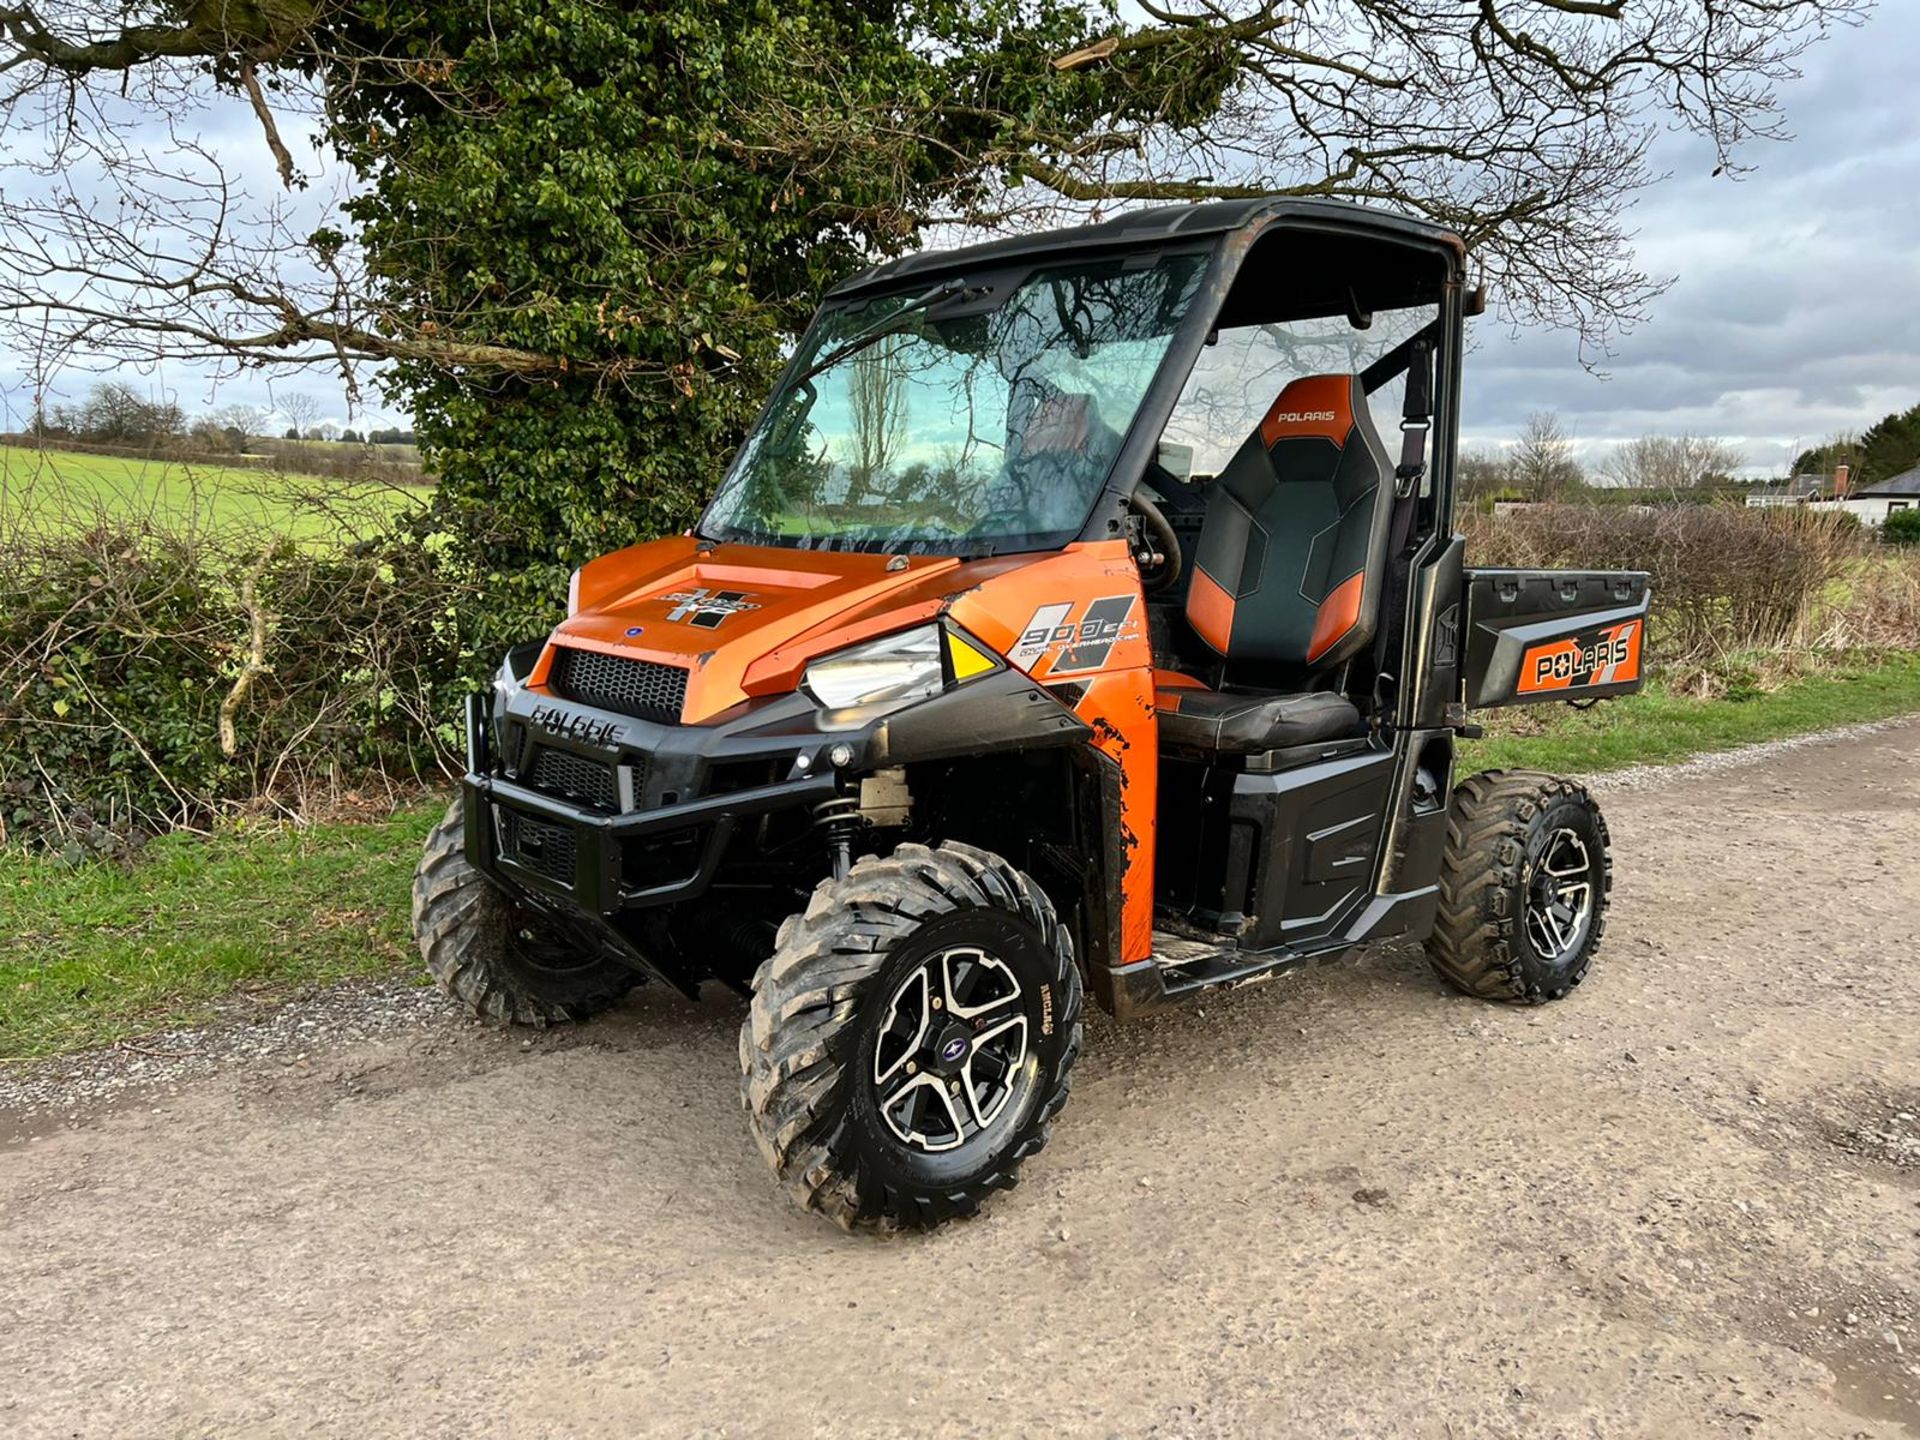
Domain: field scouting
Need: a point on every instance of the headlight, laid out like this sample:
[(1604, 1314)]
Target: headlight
[(573, 594), (893, 670)]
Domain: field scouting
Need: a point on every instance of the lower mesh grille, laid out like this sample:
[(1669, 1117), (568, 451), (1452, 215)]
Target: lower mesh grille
[(644, 689), (542, 848), (575, 777)]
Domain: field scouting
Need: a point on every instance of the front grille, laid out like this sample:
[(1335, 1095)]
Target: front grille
[(644, 689), (578, 778), (542, 848)]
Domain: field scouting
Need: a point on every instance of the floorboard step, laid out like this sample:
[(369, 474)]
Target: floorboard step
[(1187, 964)]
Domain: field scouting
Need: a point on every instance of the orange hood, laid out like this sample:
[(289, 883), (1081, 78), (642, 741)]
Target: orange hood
[(745, 620), (738, 616)]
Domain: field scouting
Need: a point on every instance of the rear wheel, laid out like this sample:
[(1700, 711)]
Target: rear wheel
[(500, 960), (911, 1038), (1523, 888)]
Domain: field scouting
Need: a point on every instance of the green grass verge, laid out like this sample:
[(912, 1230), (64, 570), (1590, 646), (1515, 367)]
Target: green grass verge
[(1655, 727), (53, 490), (92, 953)]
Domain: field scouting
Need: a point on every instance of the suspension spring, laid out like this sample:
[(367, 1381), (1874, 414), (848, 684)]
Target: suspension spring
[(838, 819)]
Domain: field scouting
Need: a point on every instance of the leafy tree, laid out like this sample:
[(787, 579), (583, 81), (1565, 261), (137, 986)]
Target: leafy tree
[(1890, 446), (1827, 458), (581, 234)]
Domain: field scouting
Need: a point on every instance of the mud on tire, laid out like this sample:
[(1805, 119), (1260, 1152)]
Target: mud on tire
[(1511, 925), (827, 1040), (499, 960)]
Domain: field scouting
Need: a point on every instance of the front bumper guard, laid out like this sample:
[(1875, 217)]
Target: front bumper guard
[(598, 842), (598, 871)]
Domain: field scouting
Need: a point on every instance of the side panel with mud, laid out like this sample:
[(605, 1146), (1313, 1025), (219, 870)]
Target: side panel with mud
[(1536, 635)]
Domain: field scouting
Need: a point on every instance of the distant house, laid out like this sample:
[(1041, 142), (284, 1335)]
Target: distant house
[(1800, 490), (1877, 499)]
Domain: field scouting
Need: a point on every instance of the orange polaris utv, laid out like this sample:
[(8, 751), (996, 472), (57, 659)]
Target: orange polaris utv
[(1064, 623)]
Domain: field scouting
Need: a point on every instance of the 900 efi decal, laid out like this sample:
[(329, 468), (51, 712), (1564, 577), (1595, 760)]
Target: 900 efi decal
[(1609, 656), (1074, 645)]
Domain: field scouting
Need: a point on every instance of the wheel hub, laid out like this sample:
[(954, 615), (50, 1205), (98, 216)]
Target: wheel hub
[(1560, 896), (951, 1049), (950, 1053)]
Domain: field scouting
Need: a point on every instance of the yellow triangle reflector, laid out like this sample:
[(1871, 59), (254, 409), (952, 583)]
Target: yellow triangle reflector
[(967, 661)]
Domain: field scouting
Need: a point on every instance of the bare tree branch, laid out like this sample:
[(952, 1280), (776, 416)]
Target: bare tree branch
[(1522, 124), (251, 81)]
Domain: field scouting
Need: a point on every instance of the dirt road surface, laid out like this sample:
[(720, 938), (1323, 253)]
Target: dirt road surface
[(1684, 1202)]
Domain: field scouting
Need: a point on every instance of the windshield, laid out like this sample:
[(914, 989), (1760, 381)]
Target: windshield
[(973, 417)]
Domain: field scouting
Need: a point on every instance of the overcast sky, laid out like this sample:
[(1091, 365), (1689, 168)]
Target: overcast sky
[(1795, 309), (1794, 313)]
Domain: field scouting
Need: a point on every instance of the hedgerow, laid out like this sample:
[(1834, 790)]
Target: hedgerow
[(154, 679), (1725, 579)]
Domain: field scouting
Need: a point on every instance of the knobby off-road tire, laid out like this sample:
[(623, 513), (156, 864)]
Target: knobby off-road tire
[(1523, 851), (831, 1038), (497, 959)]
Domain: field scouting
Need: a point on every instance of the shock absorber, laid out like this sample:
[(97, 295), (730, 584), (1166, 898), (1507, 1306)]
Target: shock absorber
[(837, 819)]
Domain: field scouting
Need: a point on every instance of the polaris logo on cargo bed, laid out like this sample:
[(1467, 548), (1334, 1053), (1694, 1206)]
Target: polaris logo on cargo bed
[(1608, 657), (568, 726), (1578, 663)]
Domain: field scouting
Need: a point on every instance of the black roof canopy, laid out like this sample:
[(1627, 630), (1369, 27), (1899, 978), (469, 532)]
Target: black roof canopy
[(1145, 228)]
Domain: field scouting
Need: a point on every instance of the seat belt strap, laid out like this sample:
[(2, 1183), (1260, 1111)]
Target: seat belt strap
[(1416, 421), (1413, 460)]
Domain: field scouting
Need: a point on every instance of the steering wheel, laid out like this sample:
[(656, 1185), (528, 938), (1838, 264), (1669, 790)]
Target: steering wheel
[(1165, 543)]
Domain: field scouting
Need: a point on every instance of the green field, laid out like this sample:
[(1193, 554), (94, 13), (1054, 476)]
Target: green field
[(54, 490)]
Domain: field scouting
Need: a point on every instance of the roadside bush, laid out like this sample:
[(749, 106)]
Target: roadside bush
[(155, 679), (1878, 605), (1902, 527), (1725, 580)]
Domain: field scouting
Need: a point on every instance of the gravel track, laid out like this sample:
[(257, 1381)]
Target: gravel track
[(1684, 1202)]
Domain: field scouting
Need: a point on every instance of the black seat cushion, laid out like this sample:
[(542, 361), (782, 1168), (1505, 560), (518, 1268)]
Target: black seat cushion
[(1234, 722)]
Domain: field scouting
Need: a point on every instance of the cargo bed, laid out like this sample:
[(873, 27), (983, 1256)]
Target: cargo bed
[(1535, 635)]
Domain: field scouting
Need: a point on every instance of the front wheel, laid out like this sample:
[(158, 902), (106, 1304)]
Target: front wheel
[(502, 962), (1523, 887), (910, 1040)]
